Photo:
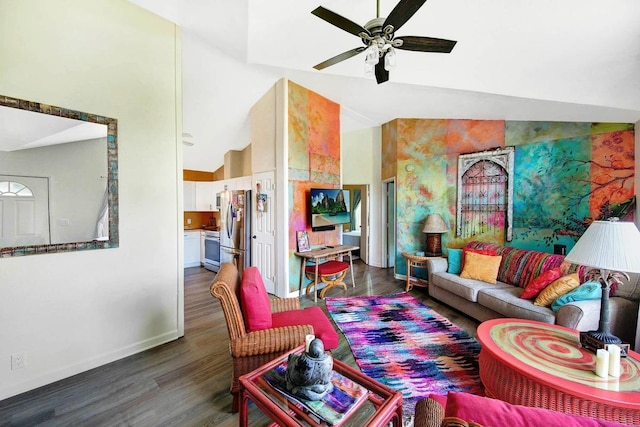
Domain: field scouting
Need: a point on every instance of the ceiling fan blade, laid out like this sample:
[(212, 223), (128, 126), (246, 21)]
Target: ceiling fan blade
[(426, 44), (339, 21), (403, 11), (339, 58), (382, 75)]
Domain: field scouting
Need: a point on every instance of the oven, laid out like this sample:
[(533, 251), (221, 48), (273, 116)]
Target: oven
[(212, 250)]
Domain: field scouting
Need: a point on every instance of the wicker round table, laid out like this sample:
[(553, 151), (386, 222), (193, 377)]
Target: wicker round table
[(537, 364), (415, 261)]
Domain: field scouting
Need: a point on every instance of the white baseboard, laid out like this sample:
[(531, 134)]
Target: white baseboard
[(85, 365)]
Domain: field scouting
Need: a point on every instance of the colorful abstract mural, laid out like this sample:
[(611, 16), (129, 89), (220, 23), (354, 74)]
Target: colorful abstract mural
[(566, 175), (313, 162)]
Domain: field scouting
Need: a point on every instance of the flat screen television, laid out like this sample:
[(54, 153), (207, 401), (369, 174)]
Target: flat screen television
[(329, 207)]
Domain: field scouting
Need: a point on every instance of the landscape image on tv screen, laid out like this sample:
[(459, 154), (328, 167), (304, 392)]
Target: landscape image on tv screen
[(329, 206)]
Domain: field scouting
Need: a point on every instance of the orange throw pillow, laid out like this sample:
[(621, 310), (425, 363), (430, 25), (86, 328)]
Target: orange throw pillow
[(481, 267), (539, 283), (465, 251), (556, 289)]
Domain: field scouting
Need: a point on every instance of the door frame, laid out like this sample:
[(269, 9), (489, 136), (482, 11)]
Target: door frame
[(388, 261)]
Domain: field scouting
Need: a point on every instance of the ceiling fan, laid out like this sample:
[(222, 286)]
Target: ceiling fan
[(378, 36)]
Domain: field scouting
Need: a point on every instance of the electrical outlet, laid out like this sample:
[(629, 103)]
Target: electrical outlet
[(18, 361), (189, 221)]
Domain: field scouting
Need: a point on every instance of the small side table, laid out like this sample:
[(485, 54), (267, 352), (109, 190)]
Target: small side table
[(415, 261)]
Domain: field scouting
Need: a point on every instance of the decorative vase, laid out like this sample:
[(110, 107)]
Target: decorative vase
[(308, 374)]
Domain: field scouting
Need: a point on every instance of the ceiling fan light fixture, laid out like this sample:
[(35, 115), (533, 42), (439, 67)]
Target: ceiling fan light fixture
[(372, 54), (369, 69), (379, 39), (390, 59)]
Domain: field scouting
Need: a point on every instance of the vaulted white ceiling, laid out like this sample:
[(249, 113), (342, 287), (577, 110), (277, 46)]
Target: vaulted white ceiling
[(575, 60)]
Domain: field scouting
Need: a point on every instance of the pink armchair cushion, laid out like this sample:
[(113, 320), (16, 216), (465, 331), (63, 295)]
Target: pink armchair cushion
[(255, 301), (314, 316), (493, 412)]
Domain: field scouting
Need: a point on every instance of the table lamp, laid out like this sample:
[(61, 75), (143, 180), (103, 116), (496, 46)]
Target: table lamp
[(434, 226), (612, 249)]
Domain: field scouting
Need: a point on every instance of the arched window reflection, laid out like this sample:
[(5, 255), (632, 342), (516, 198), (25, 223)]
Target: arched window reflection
[(14, 189)]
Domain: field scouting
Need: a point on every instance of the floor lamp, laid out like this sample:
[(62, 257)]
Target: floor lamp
[(612, 249), (434, 226)]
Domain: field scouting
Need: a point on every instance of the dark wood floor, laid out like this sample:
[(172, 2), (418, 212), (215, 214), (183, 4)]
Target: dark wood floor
[(184, 382)]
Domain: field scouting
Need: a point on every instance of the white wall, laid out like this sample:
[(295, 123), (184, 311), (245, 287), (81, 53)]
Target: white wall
[(213, 78), (361, 164), (71, 312)]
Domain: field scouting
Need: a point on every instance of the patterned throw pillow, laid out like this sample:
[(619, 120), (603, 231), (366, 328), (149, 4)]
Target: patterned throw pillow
[(536, 286), (556, 289), (481, 267)]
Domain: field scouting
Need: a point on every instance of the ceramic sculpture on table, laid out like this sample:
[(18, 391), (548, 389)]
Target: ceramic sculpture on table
[(309, 373)]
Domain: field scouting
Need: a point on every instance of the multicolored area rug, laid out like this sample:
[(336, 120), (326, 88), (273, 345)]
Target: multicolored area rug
[(404, 344)]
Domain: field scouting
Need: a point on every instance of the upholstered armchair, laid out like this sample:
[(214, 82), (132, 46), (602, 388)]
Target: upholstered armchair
[(252, 349)]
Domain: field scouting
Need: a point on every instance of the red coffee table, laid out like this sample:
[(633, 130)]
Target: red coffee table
[(537, 364), (387, 403)]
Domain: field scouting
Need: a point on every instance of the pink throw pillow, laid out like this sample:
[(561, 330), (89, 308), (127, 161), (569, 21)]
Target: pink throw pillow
[(493, 412), (256, 306), (539, 283)]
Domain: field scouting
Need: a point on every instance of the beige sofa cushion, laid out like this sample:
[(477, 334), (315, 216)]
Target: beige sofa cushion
[(465, 288), (630, 289), (508, 303)]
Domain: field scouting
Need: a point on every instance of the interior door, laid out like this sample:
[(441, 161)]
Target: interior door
[(24, 212), (263, 219)]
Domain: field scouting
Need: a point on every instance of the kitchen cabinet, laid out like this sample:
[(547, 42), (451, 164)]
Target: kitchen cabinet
[(232, 184), (189, 192), (192, 248), (205, 196)]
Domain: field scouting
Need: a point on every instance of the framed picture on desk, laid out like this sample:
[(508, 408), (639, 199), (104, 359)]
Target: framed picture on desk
[(303, 241)]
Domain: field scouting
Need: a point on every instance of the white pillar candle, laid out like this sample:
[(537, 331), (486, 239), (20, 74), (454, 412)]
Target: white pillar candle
[(614, 360), (307, 341), (602, 363)]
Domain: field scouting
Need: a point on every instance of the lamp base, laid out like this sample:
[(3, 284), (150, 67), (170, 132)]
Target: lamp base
[(594, 340), (434, 244)]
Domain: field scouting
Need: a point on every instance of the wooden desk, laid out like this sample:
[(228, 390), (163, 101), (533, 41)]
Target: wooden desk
[(537, 364), (318, 255)]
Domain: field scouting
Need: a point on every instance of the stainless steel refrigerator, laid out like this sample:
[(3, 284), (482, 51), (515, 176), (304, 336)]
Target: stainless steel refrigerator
[(235, 228)]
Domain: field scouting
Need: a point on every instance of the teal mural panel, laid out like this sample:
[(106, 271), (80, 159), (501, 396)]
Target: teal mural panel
[(551, 192)]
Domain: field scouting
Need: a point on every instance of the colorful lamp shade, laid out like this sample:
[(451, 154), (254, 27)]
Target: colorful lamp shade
[(434, 226), (611, 248)]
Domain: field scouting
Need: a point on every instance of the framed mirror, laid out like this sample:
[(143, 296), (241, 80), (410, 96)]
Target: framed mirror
[(58, 179)]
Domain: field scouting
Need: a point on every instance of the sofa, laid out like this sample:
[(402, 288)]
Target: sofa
[(518, 267)]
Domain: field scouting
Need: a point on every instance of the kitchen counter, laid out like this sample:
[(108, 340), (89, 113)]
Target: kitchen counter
[(203, 228)]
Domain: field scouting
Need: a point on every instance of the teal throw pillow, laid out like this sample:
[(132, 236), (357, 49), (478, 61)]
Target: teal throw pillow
[(588, 290), (455, 261)]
